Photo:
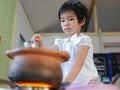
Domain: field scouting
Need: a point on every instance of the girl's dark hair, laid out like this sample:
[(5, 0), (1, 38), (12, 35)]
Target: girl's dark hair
[(77, 7)]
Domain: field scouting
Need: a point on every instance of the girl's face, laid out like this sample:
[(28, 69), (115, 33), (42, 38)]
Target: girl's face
[(69, 23)]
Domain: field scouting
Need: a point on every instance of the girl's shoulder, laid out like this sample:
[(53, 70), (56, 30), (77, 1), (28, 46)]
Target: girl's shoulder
[(84, 37), (84, 40)]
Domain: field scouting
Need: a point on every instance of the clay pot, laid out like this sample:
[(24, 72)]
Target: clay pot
[(36, 65)]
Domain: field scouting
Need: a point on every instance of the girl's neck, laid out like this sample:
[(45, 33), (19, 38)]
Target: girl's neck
[(74, 34)]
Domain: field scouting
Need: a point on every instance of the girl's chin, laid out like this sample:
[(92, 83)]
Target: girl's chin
[(69, 34)]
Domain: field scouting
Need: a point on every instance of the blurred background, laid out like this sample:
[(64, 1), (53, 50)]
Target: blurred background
[(21, 19)]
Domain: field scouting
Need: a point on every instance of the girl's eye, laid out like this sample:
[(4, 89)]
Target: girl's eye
[(62, 20), (71, 19)]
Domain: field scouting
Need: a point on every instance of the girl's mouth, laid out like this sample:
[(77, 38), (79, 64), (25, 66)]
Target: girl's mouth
[(67, 29)]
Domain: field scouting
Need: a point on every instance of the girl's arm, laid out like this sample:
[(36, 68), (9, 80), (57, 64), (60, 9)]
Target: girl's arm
[(80, 59), (37, 38), (54, 47)]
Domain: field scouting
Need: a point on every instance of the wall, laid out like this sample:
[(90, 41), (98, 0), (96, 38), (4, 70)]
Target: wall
[(13, 22), (23, 26), (8, 16)]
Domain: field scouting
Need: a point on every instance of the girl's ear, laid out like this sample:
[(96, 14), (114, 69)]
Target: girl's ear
[(83, 21)]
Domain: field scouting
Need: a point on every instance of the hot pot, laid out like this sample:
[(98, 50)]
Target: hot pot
[(39, 65)]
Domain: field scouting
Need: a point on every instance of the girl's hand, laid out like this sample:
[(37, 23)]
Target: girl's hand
[(37, 40)]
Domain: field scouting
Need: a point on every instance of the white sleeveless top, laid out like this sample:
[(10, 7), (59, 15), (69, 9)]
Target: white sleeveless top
[(88, 70)]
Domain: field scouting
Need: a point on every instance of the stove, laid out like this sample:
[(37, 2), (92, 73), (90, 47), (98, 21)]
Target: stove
[(29, 85), (37, 86), (47, 86)]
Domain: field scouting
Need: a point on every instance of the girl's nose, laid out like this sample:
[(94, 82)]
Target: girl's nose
[(66, 23)]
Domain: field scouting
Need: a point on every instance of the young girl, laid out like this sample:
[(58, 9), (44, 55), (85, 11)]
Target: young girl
[(80, 69)]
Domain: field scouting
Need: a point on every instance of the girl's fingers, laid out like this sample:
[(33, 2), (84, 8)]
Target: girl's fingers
[(37, 39)]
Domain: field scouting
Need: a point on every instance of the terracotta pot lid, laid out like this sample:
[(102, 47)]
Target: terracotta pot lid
[(62, 55)]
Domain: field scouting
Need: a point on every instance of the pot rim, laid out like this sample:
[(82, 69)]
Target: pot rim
[(63, 55)]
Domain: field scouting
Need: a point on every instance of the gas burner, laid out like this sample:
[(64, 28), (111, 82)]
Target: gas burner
[(37, 86), (29, 85)]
